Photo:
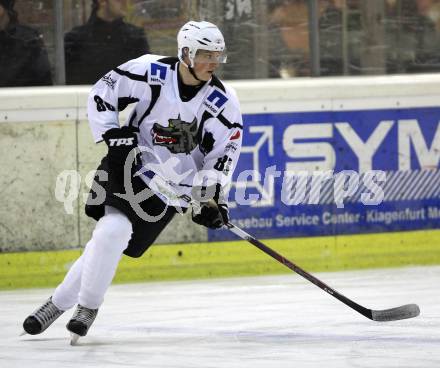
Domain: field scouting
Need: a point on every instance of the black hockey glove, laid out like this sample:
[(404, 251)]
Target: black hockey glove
[(120, 142), (214, 213), (211, 215)]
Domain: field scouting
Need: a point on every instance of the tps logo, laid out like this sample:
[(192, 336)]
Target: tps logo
[(121, 142)]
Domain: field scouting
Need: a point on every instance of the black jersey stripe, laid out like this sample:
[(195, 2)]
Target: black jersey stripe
[(206, 115), (171, 60), (155, 93), (123, 102), (217, 83), (136, 77), (227, 123), (130, 123)]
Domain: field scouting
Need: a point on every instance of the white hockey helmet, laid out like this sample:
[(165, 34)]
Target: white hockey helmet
[(201, 36)]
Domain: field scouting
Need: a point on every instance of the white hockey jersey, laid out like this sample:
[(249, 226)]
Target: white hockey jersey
[(182, 143)]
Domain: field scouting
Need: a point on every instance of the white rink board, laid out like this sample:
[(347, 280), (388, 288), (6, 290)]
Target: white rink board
[(64, 103), (260, 322), (46, 130)]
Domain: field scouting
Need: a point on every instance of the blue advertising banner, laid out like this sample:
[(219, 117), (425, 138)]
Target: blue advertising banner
[(337, 172)]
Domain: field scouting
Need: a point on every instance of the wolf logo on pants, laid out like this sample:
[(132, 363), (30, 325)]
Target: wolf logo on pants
[(179, 136)]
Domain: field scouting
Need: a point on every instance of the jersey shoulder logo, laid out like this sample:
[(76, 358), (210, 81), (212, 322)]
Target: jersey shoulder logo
[(215, 101), (158, 73), (179, 136), (109, 81)]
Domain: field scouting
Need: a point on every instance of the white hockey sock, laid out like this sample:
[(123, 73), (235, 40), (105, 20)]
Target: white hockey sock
[(65, 295), (110, 237)]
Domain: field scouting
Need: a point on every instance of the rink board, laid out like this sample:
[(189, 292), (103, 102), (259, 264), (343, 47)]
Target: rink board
[(44, 131), (401, 144)]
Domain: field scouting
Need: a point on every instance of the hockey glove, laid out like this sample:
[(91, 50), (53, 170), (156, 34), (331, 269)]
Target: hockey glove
[(213, 213), (120, 142)]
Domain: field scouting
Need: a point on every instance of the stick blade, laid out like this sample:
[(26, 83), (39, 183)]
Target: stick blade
[(394, 314)]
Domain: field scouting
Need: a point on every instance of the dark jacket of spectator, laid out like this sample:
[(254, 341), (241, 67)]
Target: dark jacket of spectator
[(425, 42), (91, 50), (331, 42), (23, 57)]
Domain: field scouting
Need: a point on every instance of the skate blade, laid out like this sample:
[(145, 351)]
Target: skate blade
[(74, 338), (23, 333)]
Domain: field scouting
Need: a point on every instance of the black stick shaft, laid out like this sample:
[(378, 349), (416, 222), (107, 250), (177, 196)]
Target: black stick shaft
[(245, 236)]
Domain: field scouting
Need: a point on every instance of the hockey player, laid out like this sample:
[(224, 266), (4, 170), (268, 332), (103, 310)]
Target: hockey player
[(180, 143)]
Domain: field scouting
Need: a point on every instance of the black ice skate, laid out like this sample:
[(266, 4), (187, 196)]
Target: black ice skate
[(80, 322), (42, 318)]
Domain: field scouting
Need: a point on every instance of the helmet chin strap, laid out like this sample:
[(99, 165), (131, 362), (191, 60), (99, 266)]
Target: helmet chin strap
[(193, 73), (191, 70)]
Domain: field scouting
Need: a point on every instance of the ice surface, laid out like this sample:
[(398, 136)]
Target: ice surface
[(270, 321)]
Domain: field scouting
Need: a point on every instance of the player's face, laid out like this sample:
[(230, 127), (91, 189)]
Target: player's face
[(206, 62), (117, 8), (204, 71), (2, 12)]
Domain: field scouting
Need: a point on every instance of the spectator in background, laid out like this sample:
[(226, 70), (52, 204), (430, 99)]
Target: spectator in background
[(332, 39), (421, 30), (240, 27), (434, 14), (289, 49), (23, 57), (103, 43)]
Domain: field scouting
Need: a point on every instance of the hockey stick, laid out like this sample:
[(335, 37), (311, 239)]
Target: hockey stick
[(393, 314)]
